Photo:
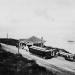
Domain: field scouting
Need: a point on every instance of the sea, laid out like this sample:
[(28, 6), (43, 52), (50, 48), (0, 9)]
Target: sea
[(68, 46)]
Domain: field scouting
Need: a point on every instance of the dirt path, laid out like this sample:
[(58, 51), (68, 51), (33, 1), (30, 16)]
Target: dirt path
[(58, 64)]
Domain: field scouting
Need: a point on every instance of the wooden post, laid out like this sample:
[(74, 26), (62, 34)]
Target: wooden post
[(18, 47), (7, 38), (41, 41), (7, 35)]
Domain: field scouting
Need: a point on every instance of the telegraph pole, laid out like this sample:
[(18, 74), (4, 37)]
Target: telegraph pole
[(41, 41), (7, 35), (18, 46), (7, 38)]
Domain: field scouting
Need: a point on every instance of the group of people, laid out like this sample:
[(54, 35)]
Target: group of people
[(24, 46)]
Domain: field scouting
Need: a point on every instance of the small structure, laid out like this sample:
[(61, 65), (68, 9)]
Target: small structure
[(67, 55), (33, 41)]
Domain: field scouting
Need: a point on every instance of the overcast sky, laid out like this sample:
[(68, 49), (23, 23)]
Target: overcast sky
[(52, 19)]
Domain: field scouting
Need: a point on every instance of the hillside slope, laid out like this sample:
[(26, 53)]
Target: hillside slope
[(58, 65)]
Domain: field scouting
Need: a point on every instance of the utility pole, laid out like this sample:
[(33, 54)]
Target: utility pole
[(7, 38), (41, 41), (18, 46), (7, 35)]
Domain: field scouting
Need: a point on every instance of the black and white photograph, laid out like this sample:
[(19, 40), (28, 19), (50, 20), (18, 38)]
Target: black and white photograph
[(37, 37)]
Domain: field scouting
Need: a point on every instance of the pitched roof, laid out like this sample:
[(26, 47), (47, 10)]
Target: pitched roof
[(33, 39)]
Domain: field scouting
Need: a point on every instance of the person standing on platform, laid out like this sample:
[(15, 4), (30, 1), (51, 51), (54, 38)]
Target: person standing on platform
[(26, 48)]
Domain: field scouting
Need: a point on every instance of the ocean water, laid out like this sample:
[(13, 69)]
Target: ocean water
[(68, 46)]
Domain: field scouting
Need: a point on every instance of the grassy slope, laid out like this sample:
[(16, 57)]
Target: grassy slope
[(13, 64), (20, 66)]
